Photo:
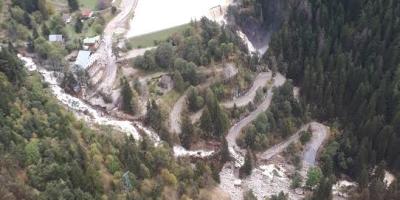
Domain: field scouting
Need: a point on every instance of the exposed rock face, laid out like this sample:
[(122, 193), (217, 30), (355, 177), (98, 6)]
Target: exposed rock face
[(257, 21)]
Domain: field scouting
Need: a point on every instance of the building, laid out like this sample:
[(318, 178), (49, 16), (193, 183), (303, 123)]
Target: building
[(91, 43), (56, 38), (83, 58), (86, 14)]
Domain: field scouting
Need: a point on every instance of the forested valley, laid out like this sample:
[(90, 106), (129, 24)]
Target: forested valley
[(47, 153), (345, 56)]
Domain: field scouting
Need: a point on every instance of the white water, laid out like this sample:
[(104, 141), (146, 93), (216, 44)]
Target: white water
[(246, 40), (79, 107), (91, 115)]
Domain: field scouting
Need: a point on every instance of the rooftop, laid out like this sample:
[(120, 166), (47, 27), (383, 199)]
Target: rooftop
[(55, 38), (91, 40), (83, 59)]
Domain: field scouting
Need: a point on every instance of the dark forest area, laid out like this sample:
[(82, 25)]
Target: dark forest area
[(345, 55)]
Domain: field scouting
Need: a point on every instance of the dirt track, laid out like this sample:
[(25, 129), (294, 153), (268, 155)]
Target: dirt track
[(234, 131), (106, 60), (260, 81)]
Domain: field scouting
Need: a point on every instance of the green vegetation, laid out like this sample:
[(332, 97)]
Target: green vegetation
[(248, 165), (344, 55), (282, 119), (313, 177), (305, 137), (151, 39), (188, 135), (214, 121), (185, 51), (296, 180), (90, 4), (46, 153), (194, 99), (82, 4), (249, 195), (280, 196), (129, 98)]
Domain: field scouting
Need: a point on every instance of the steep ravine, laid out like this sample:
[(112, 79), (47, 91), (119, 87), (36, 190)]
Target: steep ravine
[(93, 116)]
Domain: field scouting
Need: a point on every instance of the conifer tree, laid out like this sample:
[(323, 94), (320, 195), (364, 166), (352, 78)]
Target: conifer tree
[(247, 167), (188, 132), (73, 5)]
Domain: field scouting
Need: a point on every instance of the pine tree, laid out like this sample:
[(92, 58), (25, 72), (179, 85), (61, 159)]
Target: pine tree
[(78, 26), (42, 4), (195, 101), (247, 167), (45, 30), (225, 155), (235, 111), (179, 82), (205, 122), (73, 5), (221, 122), (324, 190), (363, 178), (154, 117), (188, 132), (35, 33), (127, 97)]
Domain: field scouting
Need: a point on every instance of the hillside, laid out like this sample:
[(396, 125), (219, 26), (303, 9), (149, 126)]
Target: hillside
[(345, 56)]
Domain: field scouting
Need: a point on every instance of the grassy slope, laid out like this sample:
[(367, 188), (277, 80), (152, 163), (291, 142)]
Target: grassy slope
[(147, 40)]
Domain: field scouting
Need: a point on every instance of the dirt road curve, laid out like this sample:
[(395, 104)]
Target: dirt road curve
[(259, 82), (319, 135), (234, 131), (175, 114), (106, 61), (278, 148)]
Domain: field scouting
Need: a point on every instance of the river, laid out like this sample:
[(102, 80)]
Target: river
[(84, 111)]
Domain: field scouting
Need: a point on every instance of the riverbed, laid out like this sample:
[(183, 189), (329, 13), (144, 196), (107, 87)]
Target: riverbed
[(91, 115)]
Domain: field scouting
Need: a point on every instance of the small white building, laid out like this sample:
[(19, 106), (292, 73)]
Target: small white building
[(83, 58), (56, 38), (91, 43)]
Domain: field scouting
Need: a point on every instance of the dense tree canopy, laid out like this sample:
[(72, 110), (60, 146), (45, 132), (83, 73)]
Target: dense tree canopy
[(345, 56), (45, 153)]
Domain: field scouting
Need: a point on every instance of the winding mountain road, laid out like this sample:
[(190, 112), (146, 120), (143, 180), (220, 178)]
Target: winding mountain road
[(234, 131), (175, 114), (259, 82)]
